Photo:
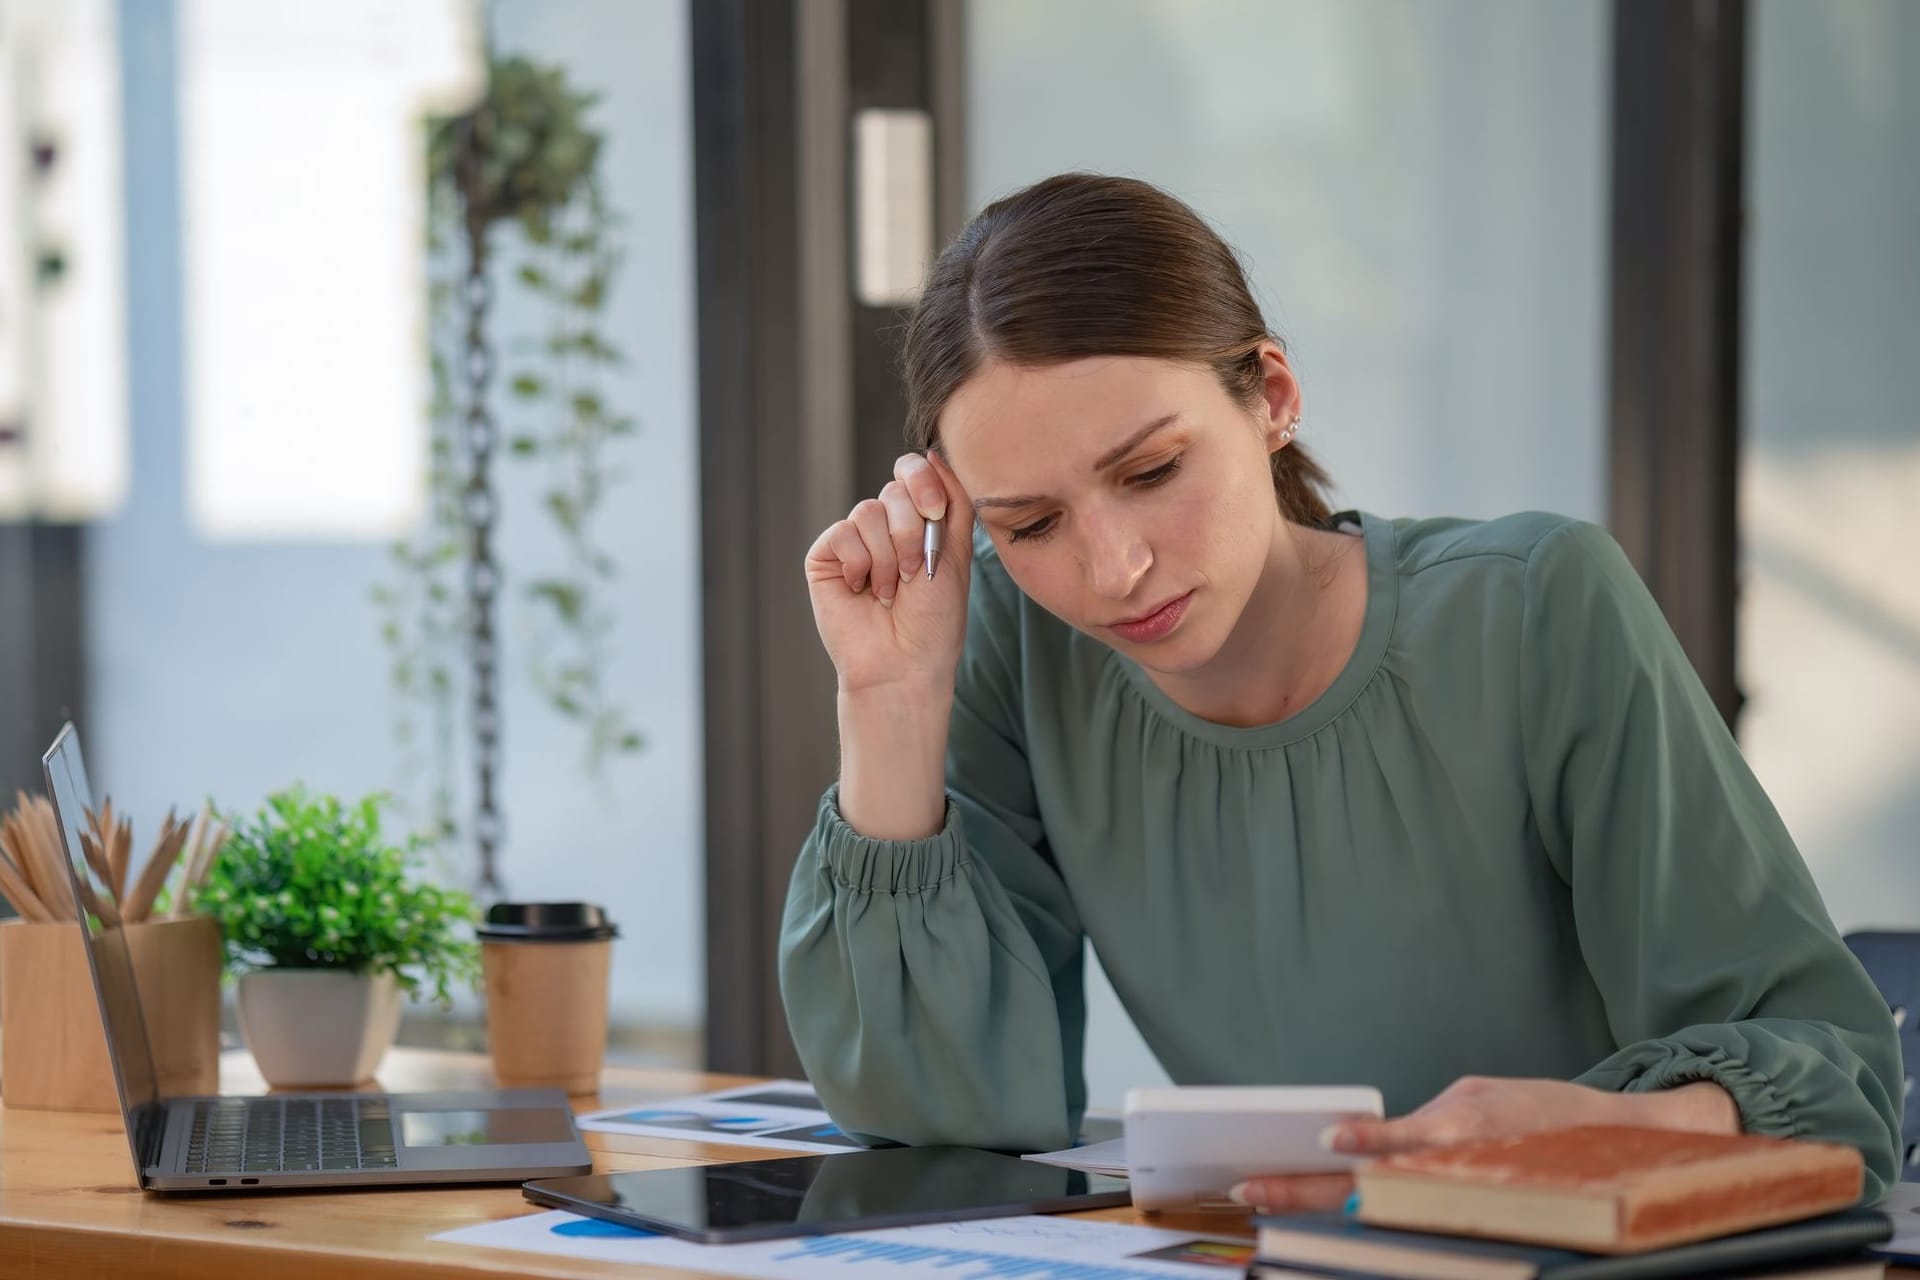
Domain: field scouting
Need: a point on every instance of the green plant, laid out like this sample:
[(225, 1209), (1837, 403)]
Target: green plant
[(518, 176), (311, 883)]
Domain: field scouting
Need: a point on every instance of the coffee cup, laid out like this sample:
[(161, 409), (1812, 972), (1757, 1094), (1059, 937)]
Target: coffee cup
[(546, 966)]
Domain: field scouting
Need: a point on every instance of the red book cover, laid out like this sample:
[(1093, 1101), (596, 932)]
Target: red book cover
[(1610, 1188)]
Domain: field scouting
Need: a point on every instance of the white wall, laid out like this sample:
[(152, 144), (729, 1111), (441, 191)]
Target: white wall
[(232, 670), (1830, 482), (1419, 191)]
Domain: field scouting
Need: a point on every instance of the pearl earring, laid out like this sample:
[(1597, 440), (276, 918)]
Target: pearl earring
[(1287, 432)]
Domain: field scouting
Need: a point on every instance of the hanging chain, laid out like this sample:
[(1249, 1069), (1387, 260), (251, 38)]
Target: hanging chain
[(480, 507)]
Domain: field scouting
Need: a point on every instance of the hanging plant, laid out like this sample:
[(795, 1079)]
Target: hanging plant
[(516, 176)]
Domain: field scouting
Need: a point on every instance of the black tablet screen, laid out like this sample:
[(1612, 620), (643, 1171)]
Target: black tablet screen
[(812, 1195)]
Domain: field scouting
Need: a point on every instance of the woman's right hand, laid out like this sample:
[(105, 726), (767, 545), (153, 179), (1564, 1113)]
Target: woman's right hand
[(882, 622)]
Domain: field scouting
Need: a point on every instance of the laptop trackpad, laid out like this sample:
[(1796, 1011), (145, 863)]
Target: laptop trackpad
[(483, 1127)]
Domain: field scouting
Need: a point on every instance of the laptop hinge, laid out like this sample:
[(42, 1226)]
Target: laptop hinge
[(150, 1123)]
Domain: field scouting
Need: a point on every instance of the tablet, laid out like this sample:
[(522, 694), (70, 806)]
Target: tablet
[(1187, 1147), (817, 1195)]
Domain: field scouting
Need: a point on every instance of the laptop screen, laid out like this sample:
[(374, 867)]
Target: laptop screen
[(128, 1047)]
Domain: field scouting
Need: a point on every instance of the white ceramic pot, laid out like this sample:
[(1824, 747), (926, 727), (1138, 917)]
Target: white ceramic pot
[(311, 1028)]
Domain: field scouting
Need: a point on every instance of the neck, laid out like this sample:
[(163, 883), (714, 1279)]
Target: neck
[(1294, 637)]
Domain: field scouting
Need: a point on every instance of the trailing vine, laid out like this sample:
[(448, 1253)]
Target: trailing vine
[(513, 181)]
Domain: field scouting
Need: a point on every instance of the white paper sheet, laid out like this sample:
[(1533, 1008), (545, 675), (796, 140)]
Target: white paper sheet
[(786, 1115), (1903, 1206), (1034, 1248), (1100, 1157), (781, 1114)]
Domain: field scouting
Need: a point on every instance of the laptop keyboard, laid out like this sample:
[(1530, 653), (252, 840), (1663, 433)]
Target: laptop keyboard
[(290, 1135)]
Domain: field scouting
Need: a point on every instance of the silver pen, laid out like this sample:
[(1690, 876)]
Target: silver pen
[(930, 545)]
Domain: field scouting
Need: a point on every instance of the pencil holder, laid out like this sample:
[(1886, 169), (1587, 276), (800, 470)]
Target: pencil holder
[(53, 1053)]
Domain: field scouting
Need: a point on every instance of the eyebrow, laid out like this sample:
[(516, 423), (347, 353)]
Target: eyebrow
[(1102, 463)]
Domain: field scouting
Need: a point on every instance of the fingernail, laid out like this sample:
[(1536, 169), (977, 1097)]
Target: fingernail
[(908, 571), (1335, 1138), (1238, 1194)]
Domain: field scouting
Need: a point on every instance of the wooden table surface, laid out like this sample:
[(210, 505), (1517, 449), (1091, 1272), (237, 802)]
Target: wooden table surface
[(69, 1205)]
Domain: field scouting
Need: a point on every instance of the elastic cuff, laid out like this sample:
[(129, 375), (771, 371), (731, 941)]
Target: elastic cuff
[(1762, 1109), (865, 865)]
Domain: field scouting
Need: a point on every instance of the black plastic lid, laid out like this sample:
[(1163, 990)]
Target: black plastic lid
[(546, 922)]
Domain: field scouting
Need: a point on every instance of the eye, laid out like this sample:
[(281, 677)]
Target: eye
[(1159, 475), (1038, 529)]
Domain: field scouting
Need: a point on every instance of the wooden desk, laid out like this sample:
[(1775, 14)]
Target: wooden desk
[(69, 1205)]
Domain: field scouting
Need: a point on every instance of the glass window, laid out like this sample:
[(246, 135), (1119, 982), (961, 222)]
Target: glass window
[(236, 667), (1829, 620)]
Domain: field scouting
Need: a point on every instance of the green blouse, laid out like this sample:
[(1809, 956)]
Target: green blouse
[(1513, 838)]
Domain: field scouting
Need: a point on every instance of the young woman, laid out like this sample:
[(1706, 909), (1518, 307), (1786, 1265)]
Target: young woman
[(1434, 805)]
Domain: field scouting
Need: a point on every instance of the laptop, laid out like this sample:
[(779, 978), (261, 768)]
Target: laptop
[(295, 1139)]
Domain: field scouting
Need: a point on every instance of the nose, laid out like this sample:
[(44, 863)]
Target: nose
[(1115, 555)]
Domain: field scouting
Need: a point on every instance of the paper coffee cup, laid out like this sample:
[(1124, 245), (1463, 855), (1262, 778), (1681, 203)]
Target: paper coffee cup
[(546, 966)]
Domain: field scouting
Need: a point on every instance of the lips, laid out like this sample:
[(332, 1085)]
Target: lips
[(1151, 626), (1149, 615)]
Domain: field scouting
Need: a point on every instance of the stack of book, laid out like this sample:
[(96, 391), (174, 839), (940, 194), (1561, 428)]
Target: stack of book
[(1593, 1204)]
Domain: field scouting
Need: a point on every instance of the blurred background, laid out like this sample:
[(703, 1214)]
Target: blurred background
[(436, 398)]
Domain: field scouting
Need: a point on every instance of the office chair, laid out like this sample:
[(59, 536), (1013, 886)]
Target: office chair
[(1892, 960)]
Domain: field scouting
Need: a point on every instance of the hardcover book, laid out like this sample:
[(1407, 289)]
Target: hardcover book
[(1331, 1244), (1610, 1189)]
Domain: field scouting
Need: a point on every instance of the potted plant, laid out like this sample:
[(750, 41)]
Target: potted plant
[(325, 925)]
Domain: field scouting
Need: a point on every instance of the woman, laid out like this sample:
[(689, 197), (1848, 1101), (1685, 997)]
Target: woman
[(1438, 805)]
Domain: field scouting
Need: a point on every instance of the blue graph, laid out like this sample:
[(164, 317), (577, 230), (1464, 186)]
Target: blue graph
[(852, 1249), (595, 1227)]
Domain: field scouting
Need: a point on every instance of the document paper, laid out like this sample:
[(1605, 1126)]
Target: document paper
[(1035, 1248), (783, 1115)]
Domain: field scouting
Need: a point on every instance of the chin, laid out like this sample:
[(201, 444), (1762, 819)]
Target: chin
[(1165, 662)]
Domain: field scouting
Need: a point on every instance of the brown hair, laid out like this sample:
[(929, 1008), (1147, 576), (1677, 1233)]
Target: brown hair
[(1086, 265)]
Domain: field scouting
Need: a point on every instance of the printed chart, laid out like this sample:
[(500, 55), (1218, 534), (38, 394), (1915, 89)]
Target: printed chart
[(1035, 1248), (784, 1115)]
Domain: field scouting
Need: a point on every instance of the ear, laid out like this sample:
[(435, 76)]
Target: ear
[(1280, 402)]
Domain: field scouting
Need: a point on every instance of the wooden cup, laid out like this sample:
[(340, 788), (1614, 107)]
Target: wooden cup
[(53, 1053), (547, 1012)]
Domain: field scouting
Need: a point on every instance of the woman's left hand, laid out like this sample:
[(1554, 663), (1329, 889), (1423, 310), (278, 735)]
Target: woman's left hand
[(1479, 1107)]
